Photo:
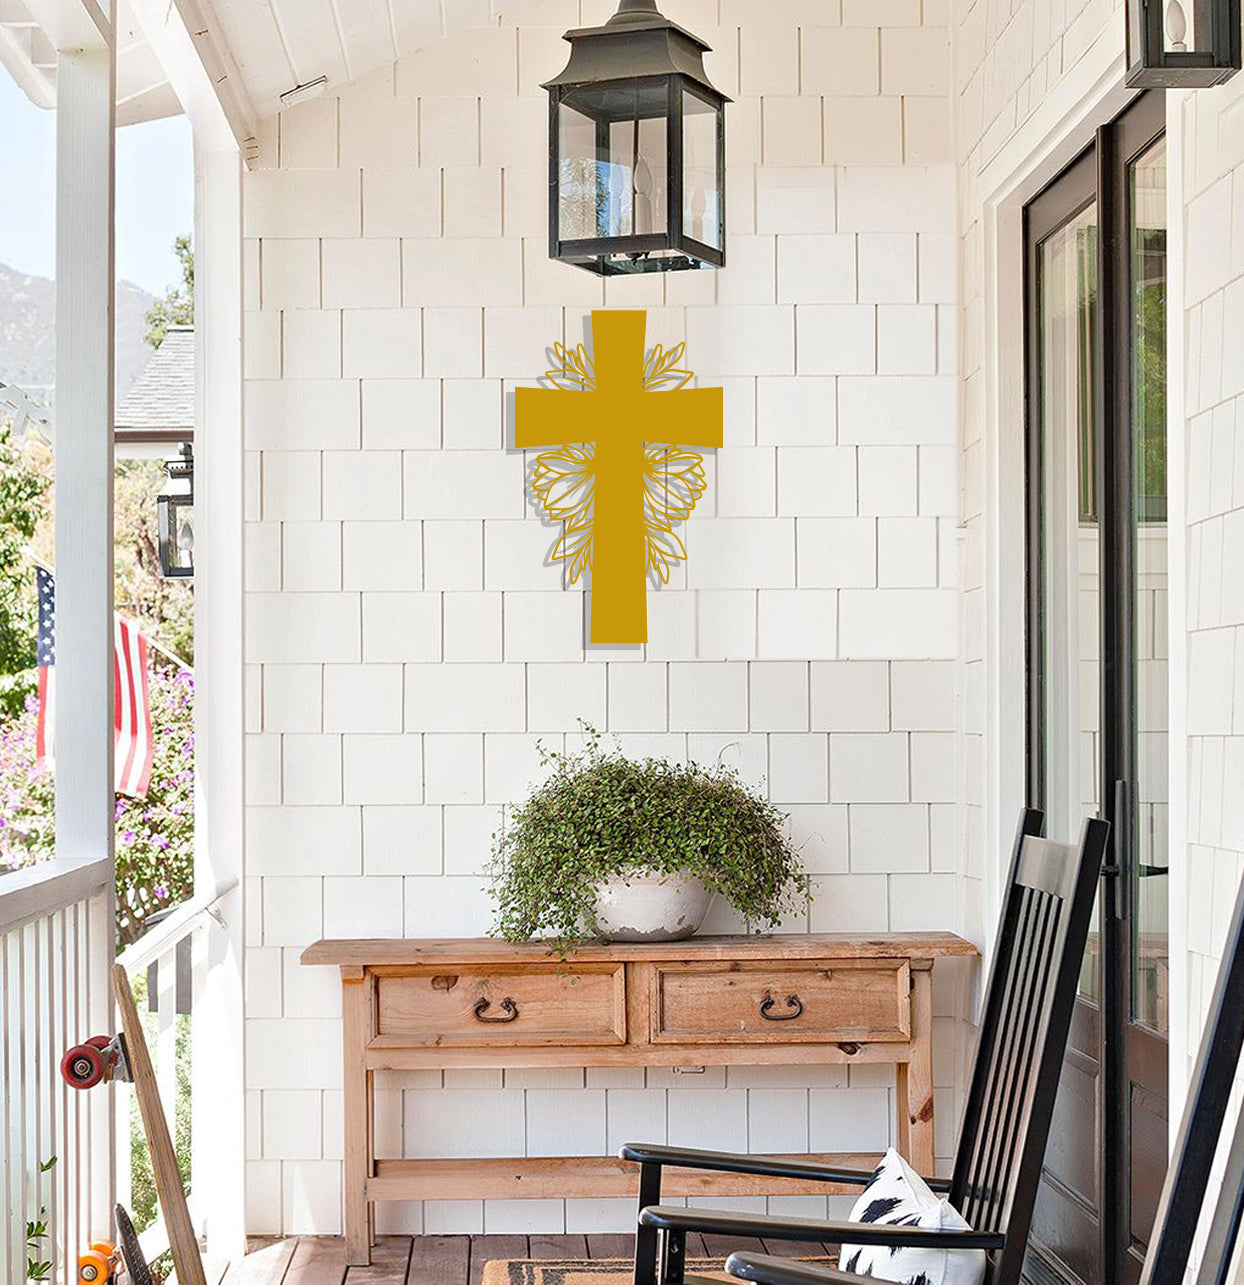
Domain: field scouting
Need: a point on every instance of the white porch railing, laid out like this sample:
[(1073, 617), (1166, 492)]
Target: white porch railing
[(56, 940), (173, 955)]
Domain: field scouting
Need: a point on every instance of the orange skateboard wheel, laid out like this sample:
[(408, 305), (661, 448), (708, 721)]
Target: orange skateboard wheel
[(97, 1265)]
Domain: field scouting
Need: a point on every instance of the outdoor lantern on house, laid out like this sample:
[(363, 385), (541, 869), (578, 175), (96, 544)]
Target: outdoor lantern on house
[(637, 149), (1182, 44), (175, 514)]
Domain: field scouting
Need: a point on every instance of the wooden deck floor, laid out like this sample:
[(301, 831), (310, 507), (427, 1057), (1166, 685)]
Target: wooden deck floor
[(454, 1258)]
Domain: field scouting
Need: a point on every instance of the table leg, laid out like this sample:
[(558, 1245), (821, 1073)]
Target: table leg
[(355, 1115), (915, 1079)]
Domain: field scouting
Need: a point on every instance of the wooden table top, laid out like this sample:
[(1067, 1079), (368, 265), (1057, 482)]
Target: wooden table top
[(359, 952)]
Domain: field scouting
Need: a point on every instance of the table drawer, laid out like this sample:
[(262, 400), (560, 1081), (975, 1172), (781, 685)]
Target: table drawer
[(545, 1005), (782, 1002)]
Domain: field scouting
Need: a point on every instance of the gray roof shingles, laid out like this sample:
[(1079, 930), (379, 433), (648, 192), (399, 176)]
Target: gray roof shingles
[(162, 398)]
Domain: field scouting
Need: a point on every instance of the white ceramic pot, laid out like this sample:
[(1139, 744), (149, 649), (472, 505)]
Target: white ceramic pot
[(651, 909)]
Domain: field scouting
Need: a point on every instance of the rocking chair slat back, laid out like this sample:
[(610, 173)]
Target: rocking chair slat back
[(1032, 986)]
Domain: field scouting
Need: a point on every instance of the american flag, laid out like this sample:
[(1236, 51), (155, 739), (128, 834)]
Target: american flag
[(131, 697)]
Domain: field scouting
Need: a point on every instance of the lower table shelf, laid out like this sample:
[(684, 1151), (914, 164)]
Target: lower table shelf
[(410, 1179)]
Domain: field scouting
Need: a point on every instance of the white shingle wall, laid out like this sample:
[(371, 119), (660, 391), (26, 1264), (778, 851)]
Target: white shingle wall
[(408, 642), (1213, 177)]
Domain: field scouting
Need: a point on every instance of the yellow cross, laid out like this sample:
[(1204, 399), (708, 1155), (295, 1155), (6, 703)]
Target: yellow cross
[(618, 418)]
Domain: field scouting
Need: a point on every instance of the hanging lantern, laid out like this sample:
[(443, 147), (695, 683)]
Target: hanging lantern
[(637, 149), (175, 516), (1182, 44)]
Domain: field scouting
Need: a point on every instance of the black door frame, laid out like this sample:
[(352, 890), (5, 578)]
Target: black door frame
[(1099, 174)]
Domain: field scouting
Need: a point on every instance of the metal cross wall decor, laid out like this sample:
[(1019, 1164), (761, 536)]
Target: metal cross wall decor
[(614, 483)]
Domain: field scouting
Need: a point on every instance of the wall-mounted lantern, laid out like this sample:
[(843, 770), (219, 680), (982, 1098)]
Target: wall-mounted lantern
[(1182, 44), (175, 516), (637, 149)]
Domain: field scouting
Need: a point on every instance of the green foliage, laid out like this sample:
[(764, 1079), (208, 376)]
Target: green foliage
[(600, 815), (177, 306), (155, 836), (22, 487), (143, 1204), (38, 1270)]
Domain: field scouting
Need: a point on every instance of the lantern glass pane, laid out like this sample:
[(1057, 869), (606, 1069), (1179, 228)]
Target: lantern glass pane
[(701, 216), (184, 514), (638, 177), (612, 164), (582, 191)]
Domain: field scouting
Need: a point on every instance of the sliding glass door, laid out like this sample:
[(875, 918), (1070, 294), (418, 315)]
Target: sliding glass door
[(1097, 670)]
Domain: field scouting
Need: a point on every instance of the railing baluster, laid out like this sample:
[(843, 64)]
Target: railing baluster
[(23, 1057), (79, 1035), (6, 1069), (57, 1042), (166, 1037)]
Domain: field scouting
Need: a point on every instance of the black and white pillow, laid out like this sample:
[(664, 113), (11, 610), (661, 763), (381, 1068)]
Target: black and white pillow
[(897, 1195)]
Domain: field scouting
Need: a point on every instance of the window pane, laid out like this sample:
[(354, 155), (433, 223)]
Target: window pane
[(1150, 949), (1070, 591)]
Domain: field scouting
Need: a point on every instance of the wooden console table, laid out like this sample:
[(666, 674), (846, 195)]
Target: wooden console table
[(467, 1003)]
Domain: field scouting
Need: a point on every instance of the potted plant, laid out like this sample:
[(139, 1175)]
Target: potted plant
[(636, 850)]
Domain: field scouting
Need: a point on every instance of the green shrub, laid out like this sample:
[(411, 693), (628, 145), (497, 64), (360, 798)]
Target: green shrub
[(600, 814)]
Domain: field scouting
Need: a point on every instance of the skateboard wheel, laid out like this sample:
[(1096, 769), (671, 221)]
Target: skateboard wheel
[(82, 1066), (94, 1267), (100, 1043)]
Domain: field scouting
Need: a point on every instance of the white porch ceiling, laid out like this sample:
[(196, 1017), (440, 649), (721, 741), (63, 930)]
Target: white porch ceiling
[(264, 47), (143, 92), (277, 44)]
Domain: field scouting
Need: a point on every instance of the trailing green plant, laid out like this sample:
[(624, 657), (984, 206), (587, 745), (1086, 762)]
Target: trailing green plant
[(599, 815), (38, 1270)]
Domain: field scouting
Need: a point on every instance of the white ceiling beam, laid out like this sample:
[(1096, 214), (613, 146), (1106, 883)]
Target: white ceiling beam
[(191, 47), (72, 24), (16, 58)]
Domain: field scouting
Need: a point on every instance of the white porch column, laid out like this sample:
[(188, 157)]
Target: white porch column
[(84, 541), (219, 1104)]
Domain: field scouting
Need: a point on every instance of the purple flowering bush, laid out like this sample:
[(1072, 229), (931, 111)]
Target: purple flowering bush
[(155, 836)]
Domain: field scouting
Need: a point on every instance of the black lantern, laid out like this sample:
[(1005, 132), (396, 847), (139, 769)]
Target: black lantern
[(637, 149), (175, 514), (1182, 44)]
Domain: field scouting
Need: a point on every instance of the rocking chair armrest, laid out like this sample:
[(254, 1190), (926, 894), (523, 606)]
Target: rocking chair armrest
[(756, 1267), (792, 1168), (801, 1229)]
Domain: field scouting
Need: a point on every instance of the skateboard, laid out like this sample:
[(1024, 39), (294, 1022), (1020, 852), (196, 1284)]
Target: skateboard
[(100, 1263), (135, 1262), (125, 1057)]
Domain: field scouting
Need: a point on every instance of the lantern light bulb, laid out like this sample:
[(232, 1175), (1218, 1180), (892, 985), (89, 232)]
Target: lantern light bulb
[(643, 197)]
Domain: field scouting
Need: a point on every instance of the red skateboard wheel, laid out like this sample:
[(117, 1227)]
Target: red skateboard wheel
[(82, 1066), (100, 1043)]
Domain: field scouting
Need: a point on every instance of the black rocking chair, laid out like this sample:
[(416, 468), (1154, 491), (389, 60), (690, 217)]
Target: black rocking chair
[(1027, 1013), (1187, 1180)]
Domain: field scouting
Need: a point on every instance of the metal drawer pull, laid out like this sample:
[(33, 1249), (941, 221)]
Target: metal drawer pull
[(793, 1003), (508, 1015)]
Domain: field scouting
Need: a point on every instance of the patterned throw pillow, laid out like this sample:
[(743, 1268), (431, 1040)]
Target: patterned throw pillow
[(897, 1195)]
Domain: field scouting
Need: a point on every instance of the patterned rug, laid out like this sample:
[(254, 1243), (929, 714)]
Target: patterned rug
[(552, 1273)]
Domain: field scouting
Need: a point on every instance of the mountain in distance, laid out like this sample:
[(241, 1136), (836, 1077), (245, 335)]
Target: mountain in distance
[(28, 333)]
